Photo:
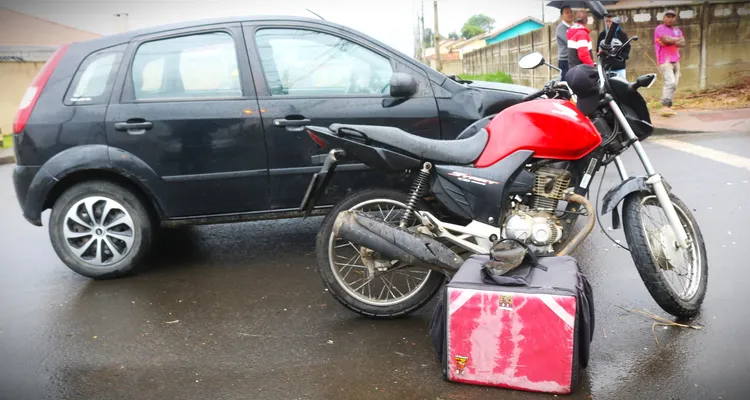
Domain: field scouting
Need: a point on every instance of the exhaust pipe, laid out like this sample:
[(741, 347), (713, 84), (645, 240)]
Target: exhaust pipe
[(395, 243), (584, 233)]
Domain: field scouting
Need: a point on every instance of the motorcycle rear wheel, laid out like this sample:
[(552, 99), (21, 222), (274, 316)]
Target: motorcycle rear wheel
[(655, 254), (374, 296)]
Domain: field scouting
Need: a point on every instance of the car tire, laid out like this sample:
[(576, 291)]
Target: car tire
[(110, 245)]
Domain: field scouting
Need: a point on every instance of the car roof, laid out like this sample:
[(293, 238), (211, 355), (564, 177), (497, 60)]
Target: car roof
[(119, 38), (125, 37)]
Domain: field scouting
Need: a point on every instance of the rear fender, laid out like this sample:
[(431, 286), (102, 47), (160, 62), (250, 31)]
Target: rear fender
[(614, 196), (57, 168), (88, 158)]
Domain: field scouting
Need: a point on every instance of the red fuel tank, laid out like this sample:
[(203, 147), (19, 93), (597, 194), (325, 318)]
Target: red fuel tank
[(553, 129)]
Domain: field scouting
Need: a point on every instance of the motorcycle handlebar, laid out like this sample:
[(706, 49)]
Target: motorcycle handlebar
[(535, 95)]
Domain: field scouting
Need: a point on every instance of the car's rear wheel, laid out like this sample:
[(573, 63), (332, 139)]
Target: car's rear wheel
[(100, 230)]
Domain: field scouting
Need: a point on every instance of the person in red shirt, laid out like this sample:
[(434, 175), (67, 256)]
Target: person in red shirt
[(579, 41)]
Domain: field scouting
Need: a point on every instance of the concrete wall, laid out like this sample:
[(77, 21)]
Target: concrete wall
[(15, 78), (471, 46), (452, 67), (727, 43)]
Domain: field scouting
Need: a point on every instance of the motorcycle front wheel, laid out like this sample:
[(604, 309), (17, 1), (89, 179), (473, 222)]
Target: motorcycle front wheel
[(676, 278), (359, 279)]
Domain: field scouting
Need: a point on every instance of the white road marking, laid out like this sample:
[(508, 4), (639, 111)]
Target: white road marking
[(705, 152)]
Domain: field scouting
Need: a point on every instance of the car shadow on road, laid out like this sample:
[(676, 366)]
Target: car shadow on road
[(240, 244)]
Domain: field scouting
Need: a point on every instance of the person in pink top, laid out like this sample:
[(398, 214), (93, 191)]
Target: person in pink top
[(667, 41)]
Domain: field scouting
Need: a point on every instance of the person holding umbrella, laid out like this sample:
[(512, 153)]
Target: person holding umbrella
[(566, 20)]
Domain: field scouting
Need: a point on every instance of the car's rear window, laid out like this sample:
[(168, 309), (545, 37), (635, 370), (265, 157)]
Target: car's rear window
[(94, 79)]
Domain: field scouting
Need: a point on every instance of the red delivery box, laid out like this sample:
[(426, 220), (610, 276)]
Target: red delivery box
[(532, 336)]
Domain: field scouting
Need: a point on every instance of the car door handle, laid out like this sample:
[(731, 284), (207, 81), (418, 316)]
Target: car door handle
[(133, 127), (292, 125)]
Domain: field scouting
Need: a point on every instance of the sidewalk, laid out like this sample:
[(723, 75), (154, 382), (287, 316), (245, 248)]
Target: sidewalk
[(694, 121), (7, 156)]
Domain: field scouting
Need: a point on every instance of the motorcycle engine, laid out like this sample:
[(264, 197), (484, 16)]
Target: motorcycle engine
[(535, 223)]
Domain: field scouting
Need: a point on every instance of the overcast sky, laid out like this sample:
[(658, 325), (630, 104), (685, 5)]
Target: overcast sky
[(391, 21)]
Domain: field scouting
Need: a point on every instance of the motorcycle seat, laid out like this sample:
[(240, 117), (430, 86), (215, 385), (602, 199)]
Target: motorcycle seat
[(460, 152)]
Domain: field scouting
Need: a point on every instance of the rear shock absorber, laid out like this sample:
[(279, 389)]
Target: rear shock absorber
[(418, 189)]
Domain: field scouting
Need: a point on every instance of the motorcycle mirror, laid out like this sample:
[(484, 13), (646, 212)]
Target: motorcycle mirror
[(531, 60), (643, 81)]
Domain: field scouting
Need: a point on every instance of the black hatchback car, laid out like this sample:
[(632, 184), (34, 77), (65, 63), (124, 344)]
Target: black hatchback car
[(202, 122)]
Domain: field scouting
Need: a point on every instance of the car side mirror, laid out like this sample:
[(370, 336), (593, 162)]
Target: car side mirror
[(403, 85), (531, 60)]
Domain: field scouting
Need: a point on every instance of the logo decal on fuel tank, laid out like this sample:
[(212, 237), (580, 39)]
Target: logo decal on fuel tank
[(472, 179)]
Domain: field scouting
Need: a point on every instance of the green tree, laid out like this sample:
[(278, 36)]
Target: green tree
[(476, 25), (453, 36)]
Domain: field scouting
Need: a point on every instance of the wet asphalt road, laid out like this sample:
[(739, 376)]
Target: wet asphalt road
[(253, 320)]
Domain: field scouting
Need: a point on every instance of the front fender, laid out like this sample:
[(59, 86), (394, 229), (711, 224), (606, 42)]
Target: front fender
[(615, 195)]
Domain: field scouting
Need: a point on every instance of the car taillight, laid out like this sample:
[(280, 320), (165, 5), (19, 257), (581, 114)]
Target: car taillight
[(35, 89)]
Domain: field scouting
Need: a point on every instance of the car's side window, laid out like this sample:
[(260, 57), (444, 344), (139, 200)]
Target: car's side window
[(94, 79), (298, 62), (196, 66)]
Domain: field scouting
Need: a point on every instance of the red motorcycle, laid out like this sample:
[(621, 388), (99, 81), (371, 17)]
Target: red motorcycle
[(524, 174)]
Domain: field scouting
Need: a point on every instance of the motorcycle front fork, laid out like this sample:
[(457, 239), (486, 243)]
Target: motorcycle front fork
[(654, 180)]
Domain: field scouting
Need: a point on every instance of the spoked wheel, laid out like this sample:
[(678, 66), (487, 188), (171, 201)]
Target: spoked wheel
[(675, 277), (361, 279)]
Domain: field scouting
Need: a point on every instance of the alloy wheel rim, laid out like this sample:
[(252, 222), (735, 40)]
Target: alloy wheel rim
[(99, 231)]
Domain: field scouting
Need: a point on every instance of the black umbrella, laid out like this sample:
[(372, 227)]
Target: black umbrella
[(596, 7), (576, 3)]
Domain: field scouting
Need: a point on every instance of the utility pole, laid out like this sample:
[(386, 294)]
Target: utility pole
[(436, 40), (421, 33), (121, 22)]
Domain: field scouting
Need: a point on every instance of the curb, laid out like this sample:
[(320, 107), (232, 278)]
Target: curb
[(8, 157), (670, 131)]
